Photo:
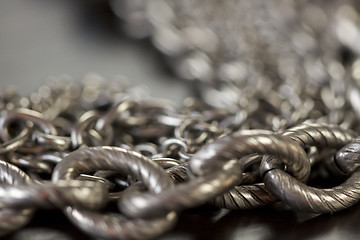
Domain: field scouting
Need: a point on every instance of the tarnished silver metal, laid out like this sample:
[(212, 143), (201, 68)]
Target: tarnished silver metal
[(238, 147), (182, 196), (305, 198), (27, 162), (88, 118), (210, 154), (276, 97), (167, 163), (13, 218), (112, 227), (111, 115), (245, 197), (60, 143), (24, 115), (125, 161), (84, 194), (179, 173), (312, 135), (15, 143), (27, 116), (302, 197), (347, 158), (250, 196), (320, 135)]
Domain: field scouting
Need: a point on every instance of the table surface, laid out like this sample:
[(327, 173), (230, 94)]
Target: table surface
[(40, 38)]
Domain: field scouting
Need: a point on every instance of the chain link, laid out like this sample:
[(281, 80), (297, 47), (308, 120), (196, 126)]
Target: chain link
[(277, 107)]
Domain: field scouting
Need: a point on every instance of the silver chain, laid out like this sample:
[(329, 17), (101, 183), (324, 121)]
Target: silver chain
[(277, 108)]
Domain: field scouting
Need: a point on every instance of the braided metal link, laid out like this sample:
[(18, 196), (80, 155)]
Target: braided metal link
[(305, 198), (90, 195), (216, 165), (112, 158), (302, 197), (129, 162), (206, 187), (250, 196), (348, 157), (111, 227), (320, 135), (10, 218), (182, 196), (179, 173), (245, 197), (248, 74), (214, 155), (317, 135)]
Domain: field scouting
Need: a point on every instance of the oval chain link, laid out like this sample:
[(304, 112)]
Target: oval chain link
[(276, 106)]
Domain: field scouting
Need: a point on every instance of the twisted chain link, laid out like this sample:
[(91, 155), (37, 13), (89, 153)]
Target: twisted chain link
[(275, 115)]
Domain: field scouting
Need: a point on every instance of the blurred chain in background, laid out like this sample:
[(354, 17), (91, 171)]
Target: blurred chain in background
[(275, 119), (294, 55)]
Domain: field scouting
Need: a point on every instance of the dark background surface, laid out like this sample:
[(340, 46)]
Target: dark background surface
[(42, 38)]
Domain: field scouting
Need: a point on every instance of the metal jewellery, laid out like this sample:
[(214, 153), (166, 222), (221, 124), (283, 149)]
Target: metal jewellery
[(275, 107)]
